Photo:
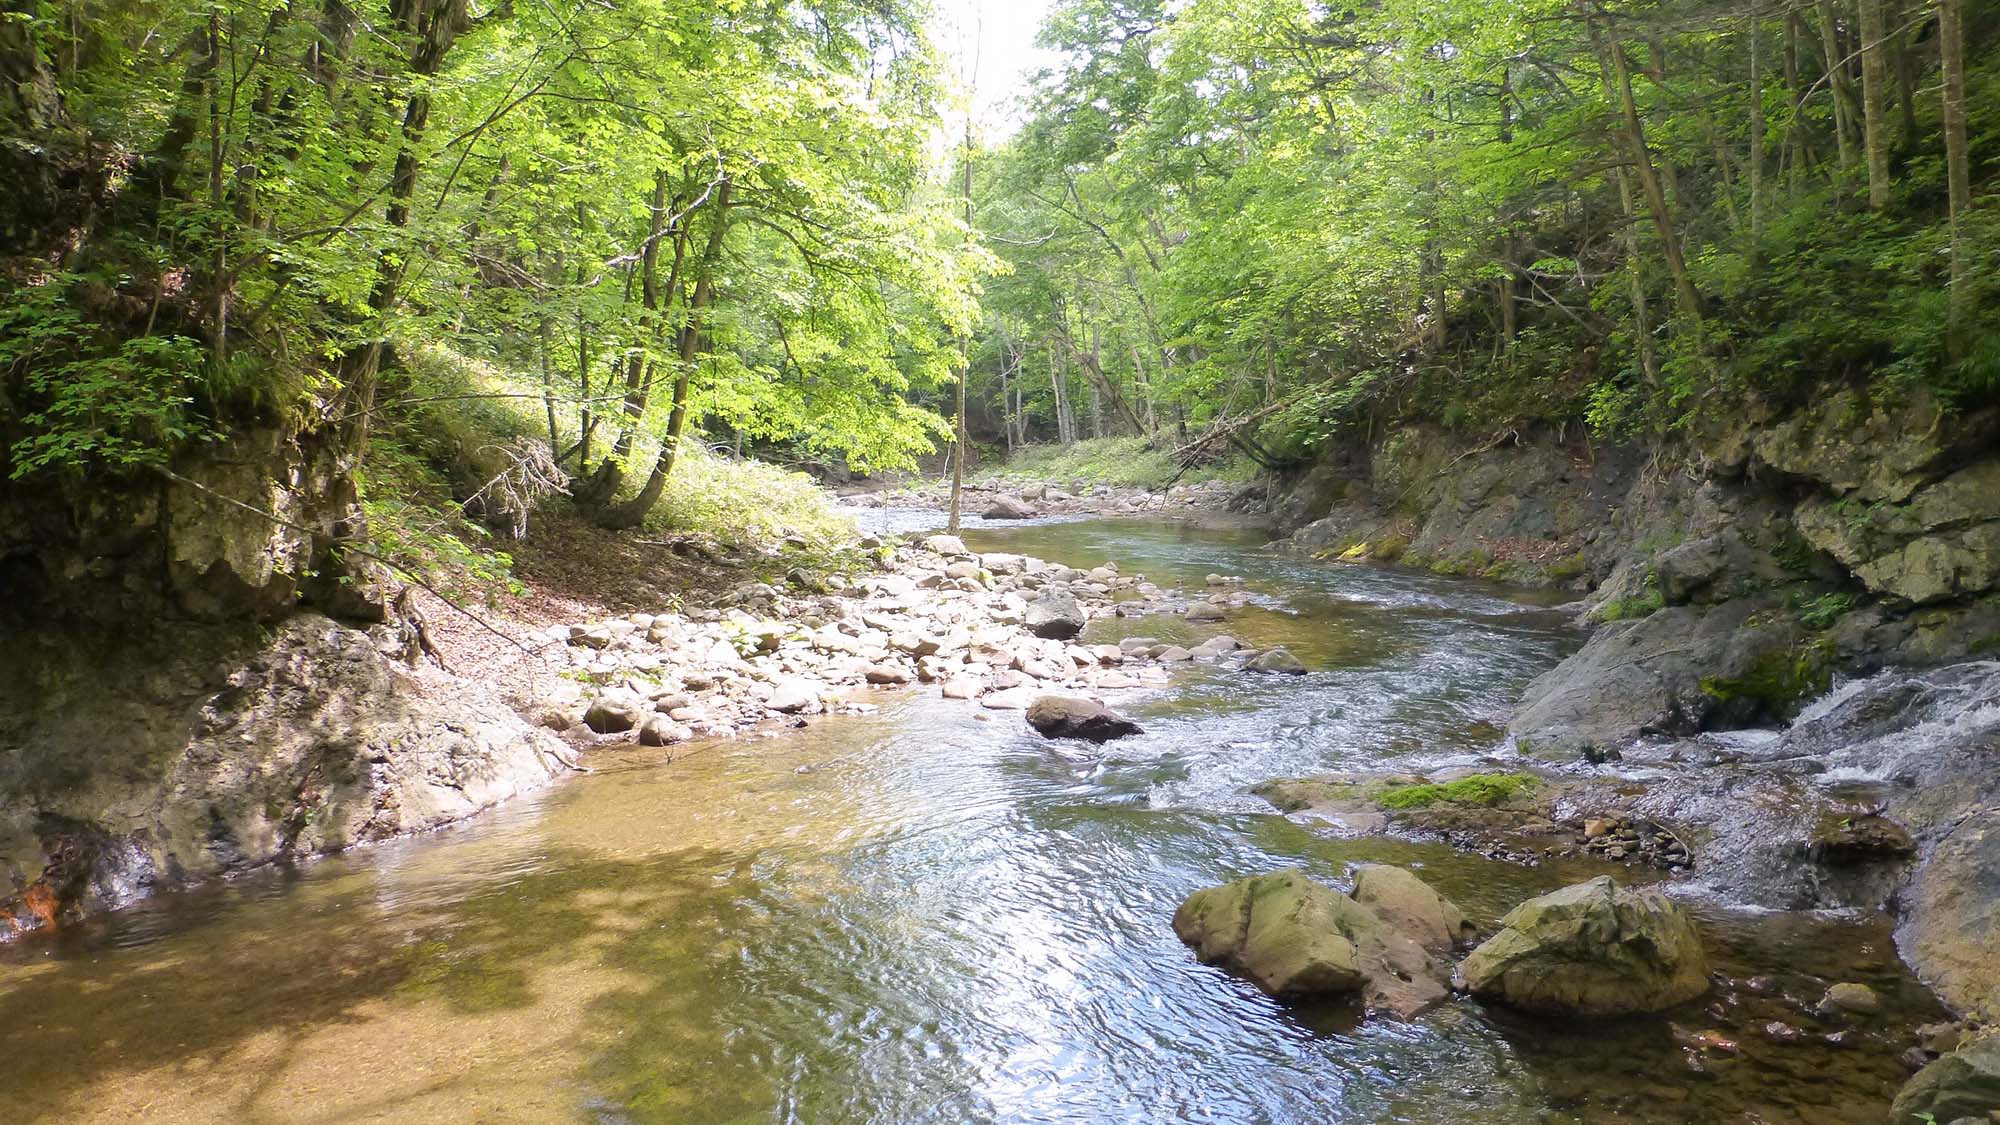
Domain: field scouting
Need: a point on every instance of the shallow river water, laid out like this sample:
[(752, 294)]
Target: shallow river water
[(928, 914)]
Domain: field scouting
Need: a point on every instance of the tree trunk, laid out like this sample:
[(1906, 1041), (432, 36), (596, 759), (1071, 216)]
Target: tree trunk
[(634, 512), (603, 484), (1958, 174), (1634, 267), (1836, 80), (437, 25), (1059, 386), (1756, 136), (1874, 101), (958, 441), (1797, 143), (1641, 159)]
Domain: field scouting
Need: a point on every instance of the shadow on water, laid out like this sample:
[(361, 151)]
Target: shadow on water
[(927, 915)]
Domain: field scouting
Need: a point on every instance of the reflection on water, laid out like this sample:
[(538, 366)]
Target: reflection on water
[(924, 915)]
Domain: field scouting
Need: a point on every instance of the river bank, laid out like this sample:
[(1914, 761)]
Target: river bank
[(1000, 897)]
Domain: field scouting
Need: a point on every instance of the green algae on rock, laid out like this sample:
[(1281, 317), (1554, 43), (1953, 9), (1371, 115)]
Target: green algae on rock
[(1294, 936), (1593, 949)]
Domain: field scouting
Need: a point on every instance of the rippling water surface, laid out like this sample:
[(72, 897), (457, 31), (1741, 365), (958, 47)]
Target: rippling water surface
[(924, 915)]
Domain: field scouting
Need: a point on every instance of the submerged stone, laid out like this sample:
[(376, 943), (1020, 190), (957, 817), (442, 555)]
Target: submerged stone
[(1278, 660)]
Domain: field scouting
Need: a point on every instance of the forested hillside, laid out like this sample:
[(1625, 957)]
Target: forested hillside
[(1305, 219), (618, 228)]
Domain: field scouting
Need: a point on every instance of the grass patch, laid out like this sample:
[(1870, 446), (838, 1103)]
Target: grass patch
[(1124, 461), (747, 504), (1484, 790)]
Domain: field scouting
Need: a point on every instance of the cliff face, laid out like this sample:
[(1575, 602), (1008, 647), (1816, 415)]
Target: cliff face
[(1730, 583), (137, 761), (193, 684), (1729, 577)]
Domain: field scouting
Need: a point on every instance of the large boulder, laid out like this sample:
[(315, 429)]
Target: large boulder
[(1953, 908), (1277, 660), (1204, 611), (1293, 936), (795, 696), (1593, 949), (615, 712), (1065, 716), (1054, 614), (1410, 905), (1964, 1084), (1005, 507)]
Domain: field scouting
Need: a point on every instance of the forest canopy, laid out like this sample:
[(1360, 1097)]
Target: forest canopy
[(1265, 221), (1295, 218), (665, 218)]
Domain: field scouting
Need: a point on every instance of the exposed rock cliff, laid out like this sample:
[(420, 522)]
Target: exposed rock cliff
[(174, 704), (130, 763), (1729, 582)]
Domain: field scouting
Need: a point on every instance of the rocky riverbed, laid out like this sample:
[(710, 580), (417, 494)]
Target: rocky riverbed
[(996, 630), (1004, 499)]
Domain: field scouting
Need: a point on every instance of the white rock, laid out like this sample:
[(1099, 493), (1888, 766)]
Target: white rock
[(794, 696)]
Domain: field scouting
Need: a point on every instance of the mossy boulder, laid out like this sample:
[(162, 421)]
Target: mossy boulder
[(1293, 936), (1411, 906), (1963, 1084), (1593, 949), (1484, 790)]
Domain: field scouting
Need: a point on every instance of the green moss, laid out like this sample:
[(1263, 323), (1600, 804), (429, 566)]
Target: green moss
[(1566, 568), (1389, 548), (1652, 543), (1780, 682), (1627, 609), (1291, 794), (1475, 561), (1482, 789)]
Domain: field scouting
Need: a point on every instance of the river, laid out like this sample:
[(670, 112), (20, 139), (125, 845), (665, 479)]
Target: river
[(927, 914)]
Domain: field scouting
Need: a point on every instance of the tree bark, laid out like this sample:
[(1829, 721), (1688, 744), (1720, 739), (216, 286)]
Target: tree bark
[(1837, 86), (1874, 101), (1641, 159), (1958, 175), (1756, 136), (437, 25), (634, 512)]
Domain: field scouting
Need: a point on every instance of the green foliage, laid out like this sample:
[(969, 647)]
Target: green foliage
[(90, 403), (1820, 610), (1482, 790), (747, 504), (1407, 210), (1126, 461), (1647, 602), (414, 522)]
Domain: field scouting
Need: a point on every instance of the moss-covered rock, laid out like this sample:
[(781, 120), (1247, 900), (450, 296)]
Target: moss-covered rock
[(1593, 949), (1281, 930), (1484, 790), (1411, 905), (1961, 1085), (1293, 936)]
